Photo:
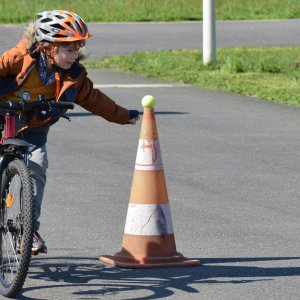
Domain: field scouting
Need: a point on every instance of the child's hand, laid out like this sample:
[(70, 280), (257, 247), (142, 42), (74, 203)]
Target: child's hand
[(133, 121), (133, 116)]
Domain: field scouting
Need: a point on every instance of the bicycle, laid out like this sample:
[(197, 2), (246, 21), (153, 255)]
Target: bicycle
[(17, 195)]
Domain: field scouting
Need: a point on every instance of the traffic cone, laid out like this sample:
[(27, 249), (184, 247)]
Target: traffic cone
[(148, 240)]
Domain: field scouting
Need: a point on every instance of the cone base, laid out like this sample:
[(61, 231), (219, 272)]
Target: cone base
[(124, 261)]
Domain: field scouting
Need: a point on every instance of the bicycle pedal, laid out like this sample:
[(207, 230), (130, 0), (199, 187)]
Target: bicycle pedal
[(38, 251), (34, 253)]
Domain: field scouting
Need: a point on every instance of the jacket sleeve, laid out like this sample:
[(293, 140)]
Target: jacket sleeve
[(5, 65), (11, 61), (98, 103)]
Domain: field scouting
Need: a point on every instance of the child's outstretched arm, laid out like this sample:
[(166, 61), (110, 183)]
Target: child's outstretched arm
[(100, 104)]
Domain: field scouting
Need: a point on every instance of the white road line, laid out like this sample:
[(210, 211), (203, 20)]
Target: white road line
[(138, 85)]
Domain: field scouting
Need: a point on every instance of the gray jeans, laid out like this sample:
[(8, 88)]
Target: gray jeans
[(38, 164)]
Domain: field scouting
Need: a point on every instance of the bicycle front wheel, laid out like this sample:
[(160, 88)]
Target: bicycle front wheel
[(16, 227)]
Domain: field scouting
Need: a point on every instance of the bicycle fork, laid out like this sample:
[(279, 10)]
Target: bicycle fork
[(9, 138)]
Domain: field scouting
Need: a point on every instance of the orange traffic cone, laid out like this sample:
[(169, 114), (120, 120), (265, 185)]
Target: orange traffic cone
[(148, 240)]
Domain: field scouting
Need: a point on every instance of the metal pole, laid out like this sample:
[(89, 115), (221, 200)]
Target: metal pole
[(209, 32)]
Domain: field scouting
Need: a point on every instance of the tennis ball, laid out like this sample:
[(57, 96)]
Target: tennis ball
[(148, 101)]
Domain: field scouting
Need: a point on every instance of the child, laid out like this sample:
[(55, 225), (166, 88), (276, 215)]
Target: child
[(46, 62)]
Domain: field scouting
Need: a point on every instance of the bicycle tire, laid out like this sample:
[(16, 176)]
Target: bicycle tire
[(16, 227)]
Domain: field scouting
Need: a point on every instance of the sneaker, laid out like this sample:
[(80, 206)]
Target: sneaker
[(38, 244)]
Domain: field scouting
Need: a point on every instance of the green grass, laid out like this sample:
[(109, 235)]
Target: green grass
[(270, 73), (16, 11)]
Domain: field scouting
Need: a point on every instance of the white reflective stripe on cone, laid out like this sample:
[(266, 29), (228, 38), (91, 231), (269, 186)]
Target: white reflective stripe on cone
[(148, 219), (148, 156)]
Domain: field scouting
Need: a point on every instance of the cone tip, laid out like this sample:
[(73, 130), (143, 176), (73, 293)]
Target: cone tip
[(148, 101)]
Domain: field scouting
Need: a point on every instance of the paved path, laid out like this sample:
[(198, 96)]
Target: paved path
[(232, 170), (115, 38)]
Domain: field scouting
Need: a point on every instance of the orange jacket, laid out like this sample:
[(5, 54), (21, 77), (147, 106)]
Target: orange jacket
[(16, 64)]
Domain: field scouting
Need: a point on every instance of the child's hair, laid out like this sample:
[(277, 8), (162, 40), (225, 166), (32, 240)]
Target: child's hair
[(29, 36)]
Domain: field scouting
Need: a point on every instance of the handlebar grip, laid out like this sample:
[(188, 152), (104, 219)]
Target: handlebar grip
[(61, 104), (25, 106), (10, 105)]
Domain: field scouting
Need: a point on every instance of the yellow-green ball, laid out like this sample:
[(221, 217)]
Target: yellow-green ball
[(148, 101)]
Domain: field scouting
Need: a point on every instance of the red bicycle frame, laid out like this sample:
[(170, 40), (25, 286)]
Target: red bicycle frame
[(10, 127)]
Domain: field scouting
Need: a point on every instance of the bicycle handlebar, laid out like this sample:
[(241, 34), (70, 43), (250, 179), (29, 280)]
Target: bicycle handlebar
[(25, 106)]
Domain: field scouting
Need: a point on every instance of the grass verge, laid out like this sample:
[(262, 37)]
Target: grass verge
[(269, 73), (15, 11)]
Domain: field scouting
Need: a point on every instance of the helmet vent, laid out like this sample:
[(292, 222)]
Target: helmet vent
[(44, 31), (70, 25), (45, 20), (58, 26), (57, 35)]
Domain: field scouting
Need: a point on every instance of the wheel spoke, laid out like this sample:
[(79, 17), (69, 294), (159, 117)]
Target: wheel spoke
[(11, 260), (13, 248)]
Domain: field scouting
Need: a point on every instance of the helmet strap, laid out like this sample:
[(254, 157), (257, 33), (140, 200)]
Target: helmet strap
[(57, 80), (49, 52)]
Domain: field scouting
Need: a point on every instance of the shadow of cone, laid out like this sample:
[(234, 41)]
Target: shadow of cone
[(148, 240)]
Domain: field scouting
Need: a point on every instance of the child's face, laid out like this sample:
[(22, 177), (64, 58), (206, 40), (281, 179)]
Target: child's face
[(65, 56)]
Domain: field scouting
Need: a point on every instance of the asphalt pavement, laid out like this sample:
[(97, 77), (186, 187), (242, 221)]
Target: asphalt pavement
[(116, 38), (232, 171)]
